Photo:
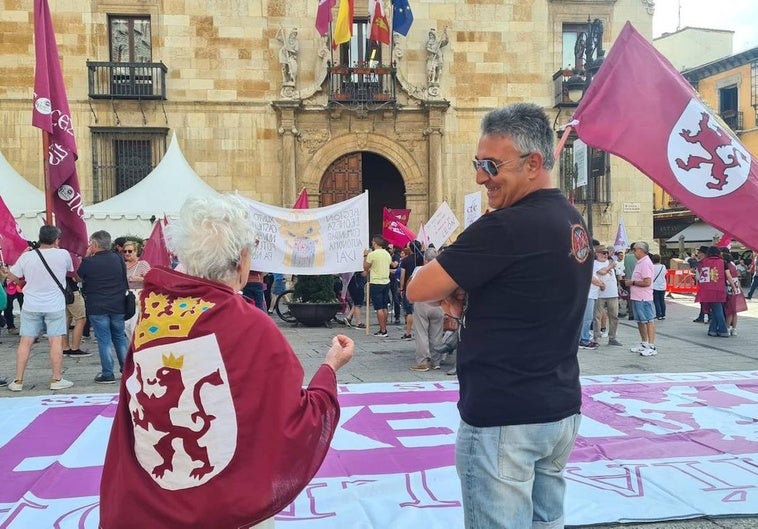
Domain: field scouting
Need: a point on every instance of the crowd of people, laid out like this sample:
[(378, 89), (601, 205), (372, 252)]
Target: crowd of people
[(528, 265), (39, 280)]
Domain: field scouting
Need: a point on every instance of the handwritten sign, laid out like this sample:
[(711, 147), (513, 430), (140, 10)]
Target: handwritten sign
[(472, 208), (442, 225)]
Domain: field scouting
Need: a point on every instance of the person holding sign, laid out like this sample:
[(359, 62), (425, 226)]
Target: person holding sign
[(517, 281)]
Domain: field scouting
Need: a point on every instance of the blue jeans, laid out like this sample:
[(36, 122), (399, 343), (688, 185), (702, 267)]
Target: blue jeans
[(109, 331), (717, 320), (659, 300), (753, 286), (589, 315), (514, 474), (254, 291)]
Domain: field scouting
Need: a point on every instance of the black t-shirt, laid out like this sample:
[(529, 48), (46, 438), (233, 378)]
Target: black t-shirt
[(408, 263), (104, 282), (526, 269)]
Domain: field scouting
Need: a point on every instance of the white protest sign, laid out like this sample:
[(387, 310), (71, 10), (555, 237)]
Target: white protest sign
[(328, 240), (442, 225), (472, 208)]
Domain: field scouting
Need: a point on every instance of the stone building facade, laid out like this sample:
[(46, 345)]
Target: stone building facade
[(248, 120)]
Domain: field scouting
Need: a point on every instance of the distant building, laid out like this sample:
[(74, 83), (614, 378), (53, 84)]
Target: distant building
[(690, 47)]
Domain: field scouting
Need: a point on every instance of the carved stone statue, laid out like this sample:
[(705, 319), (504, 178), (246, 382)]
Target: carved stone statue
[(288, 55), (434, 58)]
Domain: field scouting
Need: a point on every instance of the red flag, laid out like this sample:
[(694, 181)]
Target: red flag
[(324, 16), (402, 214), (155, 252), (725, 241), (661, 127), (380, 27), (394, 231), (12, 243), (52, 115), (302, 200)]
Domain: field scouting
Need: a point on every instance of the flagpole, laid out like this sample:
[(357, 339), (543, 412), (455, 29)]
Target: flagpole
[(46, 172)]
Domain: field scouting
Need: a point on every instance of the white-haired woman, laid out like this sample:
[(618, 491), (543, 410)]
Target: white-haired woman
[(213, 428)]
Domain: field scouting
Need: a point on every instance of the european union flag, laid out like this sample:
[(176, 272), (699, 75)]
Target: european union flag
[(402, 17)]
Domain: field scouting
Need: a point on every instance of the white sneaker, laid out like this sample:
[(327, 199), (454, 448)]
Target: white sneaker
[(16, 385), (649, 351), (60, 384), (732, 331), (638, 348), (603, 334)]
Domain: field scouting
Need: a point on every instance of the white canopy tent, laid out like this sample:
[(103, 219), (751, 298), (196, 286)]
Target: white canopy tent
[(696, 234), (25, 201), (160, 193)]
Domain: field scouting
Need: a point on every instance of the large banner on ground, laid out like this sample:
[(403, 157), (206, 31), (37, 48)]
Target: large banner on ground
[(328, 240), (650, 447)]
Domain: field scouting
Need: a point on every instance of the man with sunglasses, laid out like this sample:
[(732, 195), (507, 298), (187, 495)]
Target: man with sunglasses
[(517, 280)]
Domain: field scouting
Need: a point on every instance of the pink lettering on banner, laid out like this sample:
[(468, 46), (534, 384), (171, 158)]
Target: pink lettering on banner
[(304, 507)]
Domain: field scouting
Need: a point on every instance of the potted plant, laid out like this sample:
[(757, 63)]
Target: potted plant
[(314, 302)]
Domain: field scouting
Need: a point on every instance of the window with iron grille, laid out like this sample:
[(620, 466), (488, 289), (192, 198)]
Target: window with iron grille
[(123, 157), (599, 178)]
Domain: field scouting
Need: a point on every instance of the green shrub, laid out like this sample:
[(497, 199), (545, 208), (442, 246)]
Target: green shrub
[(315, 289)]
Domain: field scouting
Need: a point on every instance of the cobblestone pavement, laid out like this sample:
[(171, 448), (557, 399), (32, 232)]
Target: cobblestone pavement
[(683, 347)]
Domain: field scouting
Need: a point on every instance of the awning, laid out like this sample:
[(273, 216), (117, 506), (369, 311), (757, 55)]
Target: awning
[(696, 233)]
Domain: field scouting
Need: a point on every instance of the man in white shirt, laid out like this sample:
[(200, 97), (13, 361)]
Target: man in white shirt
[(44, 308), (608, 298)]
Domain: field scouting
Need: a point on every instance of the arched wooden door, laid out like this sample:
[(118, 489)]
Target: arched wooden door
[(342, 179)]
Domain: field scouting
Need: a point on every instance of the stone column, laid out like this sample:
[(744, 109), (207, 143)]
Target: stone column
[(289, 133), (434, 131)]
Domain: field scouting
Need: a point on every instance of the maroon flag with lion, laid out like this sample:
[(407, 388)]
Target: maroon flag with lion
[(660, 125)]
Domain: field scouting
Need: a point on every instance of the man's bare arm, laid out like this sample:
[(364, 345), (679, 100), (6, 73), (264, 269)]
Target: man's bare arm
[(430, 283)]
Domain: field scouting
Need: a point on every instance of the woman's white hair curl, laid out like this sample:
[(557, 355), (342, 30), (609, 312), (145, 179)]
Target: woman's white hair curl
[(210, 235)]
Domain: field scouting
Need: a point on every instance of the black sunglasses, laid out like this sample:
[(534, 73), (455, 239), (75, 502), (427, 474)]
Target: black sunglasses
[(490, 166)]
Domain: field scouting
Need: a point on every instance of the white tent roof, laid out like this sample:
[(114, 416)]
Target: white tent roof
[(25, 201), (695, 234), (162, 192)]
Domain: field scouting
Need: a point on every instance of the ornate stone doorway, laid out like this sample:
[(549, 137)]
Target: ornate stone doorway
[(351, 174)]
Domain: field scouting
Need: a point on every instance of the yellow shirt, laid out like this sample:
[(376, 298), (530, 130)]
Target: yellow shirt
[(380, 260)]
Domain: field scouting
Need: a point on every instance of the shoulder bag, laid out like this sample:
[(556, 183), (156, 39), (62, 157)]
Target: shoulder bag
[(67, 292)]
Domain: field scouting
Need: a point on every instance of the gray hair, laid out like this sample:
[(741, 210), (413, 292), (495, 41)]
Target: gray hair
[(48, 234), (102, 239), (642, 245), (430, 254), (526, 125), (210, 235)]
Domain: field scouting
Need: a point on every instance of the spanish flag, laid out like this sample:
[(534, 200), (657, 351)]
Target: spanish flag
[(343, 28)]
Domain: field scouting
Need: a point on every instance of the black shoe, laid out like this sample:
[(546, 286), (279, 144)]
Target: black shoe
[(102, 379), (698, 320), (3, 382), (76, 352)]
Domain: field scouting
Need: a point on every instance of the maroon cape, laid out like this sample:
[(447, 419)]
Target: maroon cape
[(711, 280), (213, 428)]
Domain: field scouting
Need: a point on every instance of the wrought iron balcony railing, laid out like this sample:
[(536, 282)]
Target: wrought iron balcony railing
[(361, 85), (127, 80), (732, 118)]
